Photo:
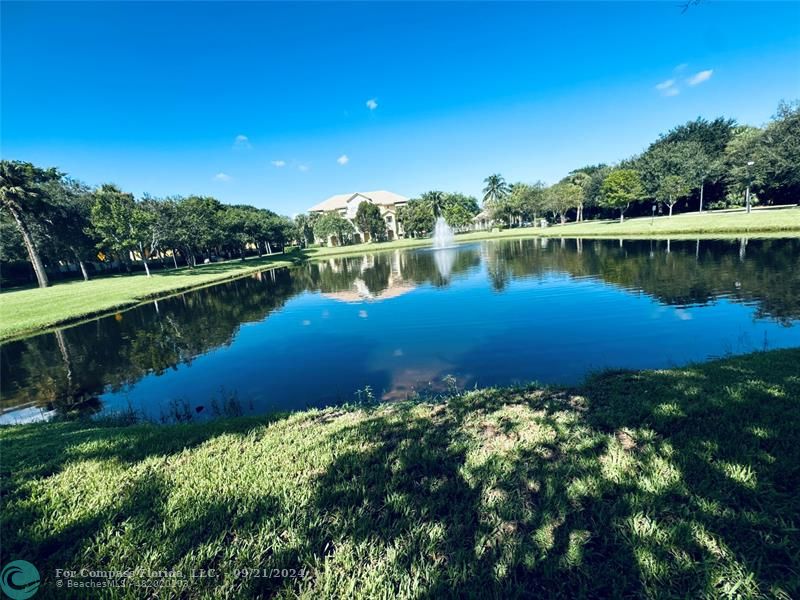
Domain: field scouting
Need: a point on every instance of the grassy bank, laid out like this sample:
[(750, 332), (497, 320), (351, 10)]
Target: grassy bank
[(677, 483), (764, 220), (35, 309), (31, 310)]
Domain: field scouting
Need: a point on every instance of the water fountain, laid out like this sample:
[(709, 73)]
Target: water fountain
[(443, 245), (442, 234)]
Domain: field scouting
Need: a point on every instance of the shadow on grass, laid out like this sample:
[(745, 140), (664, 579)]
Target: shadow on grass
[(676, 483)]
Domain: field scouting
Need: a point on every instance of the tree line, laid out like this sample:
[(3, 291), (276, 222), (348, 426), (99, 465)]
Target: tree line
[(51, 219), (47, 218), (702, 164)]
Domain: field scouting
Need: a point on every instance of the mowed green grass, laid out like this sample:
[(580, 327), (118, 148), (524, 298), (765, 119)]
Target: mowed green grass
[(762, 220), (27, 310), (679, 483)]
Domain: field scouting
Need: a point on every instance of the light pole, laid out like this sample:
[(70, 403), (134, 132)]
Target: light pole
[(653, 215), (747, 192)]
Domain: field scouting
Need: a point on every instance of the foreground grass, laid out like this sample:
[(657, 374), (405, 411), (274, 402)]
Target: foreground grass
[(669, 484), (35, 309)]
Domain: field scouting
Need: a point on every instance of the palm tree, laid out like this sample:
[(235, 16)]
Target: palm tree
[(496, 189), (436, 198), (21, 197)]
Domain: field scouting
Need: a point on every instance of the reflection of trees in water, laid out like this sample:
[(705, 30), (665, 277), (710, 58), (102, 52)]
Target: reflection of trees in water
[(71, 367), (74, 365), (673, 272)]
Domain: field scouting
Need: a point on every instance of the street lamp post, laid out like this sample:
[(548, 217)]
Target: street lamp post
[(652, 218), (747, 192)]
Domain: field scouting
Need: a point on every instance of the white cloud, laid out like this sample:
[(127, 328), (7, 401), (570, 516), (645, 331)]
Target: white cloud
[(279, 163), (664, 85), (372, 103), (303, 168), (668, 88), (681, 67), (343, 159), (700, 77), (242, 141), (222, 177)]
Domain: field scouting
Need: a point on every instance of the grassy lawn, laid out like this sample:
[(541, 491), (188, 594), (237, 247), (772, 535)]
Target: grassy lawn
[(763, 220), (30, 310), (33, 309), (665, 484)]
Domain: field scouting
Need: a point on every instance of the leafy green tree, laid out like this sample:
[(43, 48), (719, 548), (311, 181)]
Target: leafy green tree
[(332, 224), (713, 137), (237, 224), (583, 181), (199, 219), (169, 224), (457, 215), (124, 226), (664, 164), (774, 152), (22, 198), (495, 190), (416, 217), (369, 220), (671, 188), (304, 228), (780, 165), (278, 229), (621, 188), (563, 197), (468, 203), (71, 203), (744, 148)]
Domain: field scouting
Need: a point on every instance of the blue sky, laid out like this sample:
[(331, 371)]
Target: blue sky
[(325, 98)]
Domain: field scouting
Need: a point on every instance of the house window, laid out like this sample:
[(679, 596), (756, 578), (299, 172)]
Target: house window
[(388, 218)]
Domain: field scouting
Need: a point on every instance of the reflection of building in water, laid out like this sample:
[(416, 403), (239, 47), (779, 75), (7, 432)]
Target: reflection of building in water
[(365, 288)]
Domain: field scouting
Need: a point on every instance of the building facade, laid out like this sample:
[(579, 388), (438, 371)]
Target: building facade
[(347, 206)]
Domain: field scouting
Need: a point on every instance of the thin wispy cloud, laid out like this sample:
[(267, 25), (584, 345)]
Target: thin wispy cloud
[(242, 142), (372, 103), (665, 85), (303, 168), (222, 177), (343, 159), (668, 88), (700, 77), (279, 163)]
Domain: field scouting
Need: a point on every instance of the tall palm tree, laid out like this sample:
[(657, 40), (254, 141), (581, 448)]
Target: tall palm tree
[(436, 198), (496, 189), (21, 197)]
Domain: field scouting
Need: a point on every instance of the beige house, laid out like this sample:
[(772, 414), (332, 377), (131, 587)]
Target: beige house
[(347, 205)]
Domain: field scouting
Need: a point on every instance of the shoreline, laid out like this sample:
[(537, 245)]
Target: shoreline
[(21, 300), (601, 489)]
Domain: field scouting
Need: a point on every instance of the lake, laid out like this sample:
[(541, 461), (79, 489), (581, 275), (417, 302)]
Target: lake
[(399, 324)]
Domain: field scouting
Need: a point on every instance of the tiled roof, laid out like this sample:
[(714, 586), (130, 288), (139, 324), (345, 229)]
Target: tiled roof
[(338, 201)]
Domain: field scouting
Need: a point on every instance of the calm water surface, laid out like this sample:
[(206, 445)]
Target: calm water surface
[(401, 322)]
